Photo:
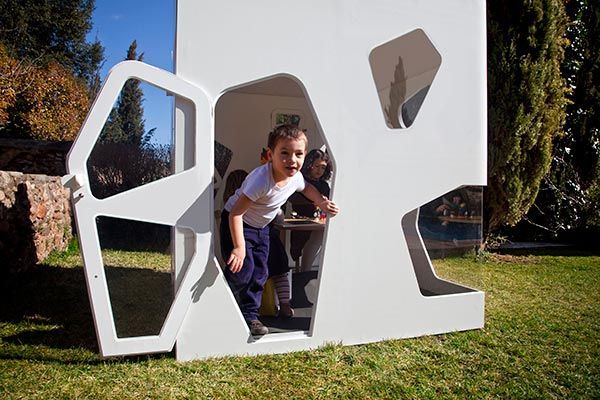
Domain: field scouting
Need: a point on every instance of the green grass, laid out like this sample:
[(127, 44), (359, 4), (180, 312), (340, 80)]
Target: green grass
[(541, 340)]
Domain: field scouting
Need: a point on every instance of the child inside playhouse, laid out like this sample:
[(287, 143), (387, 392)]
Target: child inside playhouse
[(244, 230), (278, 262)]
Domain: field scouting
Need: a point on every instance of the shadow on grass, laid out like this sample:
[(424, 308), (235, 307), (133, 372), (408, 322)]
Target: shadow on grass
[(48, 306)]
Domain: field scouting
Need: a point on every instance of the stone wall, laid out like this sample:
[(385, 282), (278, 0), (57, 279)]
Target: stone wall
[(35, 219), (34, 156)]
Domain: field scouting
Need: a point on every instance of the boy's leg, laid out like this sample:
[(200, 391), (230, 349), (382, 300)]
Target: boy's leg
[(240, 281), (247, 284), (260, 272)]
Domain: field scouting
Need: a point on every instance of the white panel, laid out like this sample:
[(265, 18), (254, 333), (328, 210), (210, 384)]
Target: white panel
[(154, 202), (368, 290)]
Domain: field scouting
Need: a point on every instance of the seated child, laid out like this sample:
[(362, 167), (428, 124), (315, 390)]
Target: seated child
[(316, 171), (244, 230)]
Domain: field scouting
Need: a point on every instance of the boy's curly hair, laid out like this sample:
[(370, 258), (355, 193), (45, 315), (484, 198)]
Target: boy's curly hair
[(285, 132)]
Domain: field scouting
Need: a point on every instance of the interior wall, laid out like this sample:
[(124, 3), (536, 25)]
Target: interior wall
[(243, 122)]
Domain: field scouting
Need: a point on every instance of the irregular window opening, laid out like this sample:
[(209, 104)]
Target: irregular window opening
[(448, 225), (137, 263), (403, 70), (243, 119), (136, 142)]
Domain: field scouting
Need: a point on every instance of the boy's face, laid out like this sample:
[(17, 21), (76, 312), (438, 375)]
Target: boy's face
[(288, 157)]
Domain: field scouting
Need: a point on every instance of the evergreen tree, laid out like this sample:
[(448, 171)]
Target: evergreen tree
[(126, 121), (129, 106), (569, 197), (112, 132), (526, 102), (51, 30)]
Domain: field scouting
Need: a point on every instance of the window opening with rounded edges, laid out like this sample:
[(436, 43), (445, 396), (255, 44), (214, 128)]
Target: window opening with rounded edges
[(136, 142), (403, 70), (449, 225), (137, 264)]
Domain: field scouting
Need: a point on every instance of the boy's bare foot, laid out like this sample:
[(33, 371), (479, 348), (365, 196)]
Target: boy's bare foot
[(285, 310)]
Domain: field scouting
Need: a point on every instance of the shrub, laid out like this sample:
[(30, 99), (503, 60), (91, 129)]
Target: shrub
[(40, 102)]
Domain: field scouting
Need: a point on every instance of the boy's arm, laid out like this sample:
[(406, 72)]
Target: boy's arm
[(236, 258), (319, 200)]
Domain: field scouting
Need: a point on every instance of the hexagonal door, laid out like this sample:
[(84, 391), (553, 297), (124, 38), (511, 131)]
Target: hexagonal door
[(164, 201)]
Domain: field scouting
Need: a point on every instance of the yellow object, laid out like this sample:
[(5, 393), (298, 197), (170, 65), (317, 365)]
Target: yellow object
[(268, 308)]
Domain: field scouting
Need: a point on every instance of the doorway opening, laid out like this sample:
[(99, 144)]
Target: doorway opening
[(244, 116)]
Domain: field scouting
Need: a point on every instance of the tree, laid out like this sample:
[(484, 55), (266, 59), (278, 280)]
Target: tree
[(51, 31), (112, 132), (527, 100), (126, 121), (568, 200)]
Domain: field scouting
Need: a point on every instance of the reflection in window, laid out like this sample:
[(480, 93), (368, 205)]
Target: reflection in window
[(452, 223), (403, 70)]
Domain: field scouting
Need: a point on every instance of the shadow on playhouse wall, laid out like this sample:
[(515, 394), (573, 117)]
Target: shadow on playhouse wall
[(397, 92)]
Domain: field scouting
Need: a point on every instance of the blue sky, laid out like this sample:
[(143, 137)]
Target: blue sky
[(152, 23)]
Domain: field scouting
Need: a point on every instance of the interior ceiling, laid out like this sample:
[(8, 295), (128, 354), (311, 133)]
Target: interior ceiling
[(279, 86)]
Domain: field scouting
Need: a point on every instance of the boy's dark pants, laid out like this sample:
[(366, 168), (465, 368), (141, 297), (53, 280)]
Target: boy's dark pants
[(247, 285)]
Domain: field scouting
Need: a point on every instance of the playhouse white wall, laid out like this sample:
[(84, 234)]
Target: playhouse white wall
[(368, 287)]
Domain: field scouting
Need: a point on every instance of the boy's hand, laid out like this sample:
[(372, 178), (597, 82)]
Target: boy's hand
[(236, 259), (329, 207), (311, 193)]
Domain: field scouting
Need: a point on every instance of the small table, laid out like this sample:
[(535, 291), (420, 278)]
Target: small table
[(296, 224)]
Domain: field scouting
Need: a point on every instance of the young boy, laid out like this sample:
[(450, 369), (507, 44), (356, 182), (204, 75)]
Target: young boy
[(244, 231)]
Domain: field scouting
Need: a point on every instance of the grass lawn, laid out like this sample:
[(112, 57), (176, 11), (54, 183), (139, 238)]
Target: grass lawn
[(541, 340)]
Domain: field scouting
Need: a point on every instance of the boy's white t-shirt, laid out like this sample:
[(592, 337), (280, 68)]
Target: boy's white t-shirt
[(259, 186)]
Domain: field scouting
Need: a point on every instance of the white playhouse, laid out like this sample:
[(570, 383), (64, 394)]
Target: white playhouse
[(395, 90)]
